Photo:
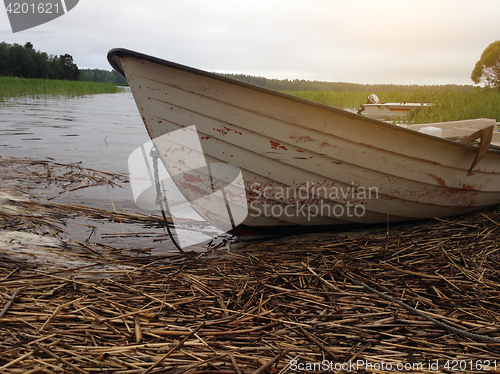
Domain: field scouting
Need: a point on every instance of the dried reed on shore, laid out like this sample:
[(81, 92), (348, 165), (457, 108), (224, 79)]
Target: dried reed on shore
[(263, 307)]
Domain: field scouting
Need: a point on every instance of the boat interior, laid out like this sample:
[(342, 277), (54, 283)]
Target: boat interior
[(461, 130), (484, 131)]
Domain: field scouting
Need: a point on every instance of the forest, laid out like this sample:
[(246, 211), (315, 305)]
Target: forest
[(307, 85), (100, 75), (26, 62)]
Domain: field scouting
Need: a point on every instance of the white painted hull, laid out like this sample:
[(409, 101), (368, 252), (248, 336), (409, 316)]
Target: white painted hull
[(390, 111), (333, 160)]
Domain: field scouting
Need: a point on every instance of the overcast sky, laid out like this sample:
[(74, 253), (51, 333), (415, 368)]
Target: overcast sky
[(359, 41)]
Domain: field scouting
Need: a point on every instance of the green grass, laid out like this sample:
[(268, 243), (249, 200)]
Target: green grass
[(38, 88), (448, 105), (454, 106)]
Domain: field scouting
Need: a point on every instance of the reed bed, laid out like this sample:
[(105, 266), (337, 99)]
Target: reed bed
[(453, 106), (448, 105), (272, 306), (39, 88)]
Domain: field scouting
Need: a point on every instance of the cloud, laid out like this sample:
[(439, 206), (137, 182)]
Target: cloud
[(389, 41)]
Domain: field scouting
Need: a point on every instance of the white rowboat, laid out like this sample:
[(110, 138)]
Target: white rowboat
[(299, 164), (390, 111)]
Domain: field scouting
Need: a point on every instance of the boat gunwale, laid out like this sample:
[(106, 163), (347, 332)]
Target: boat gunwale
[(398, 104), (123, 52)]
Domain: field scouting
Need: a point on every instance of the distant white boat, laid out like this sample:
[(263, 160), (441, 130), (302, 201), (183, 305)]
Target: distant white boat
[(388, 111), (300, 164)]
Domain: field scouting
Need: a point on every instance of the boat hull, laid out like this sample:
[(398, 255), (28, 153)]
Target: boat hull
[(302, 164)]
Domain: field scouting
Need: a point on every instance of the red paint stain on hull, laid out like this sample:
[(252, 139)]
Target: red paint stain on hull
[(440, 181), (302, 139), (224, 130), (276, 145), (468, 187)]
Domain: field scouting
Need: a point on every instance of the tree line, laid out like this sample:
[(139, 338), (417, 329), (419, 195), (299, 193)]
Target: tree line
[(307, 85), (23, 61), (100, 75), (26, 62)]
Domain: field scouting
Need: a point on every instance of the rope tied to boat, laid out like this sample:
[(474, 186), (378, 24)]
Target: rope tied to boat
[(155, 154)]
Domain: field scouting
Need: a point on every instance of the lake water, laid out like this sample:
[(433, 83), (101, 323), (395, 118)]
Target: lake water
[(98, 131)]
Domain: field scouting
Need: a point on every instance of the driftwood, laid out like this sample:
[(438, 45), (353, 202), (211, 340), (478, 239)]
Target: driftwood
[(263, 307)]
